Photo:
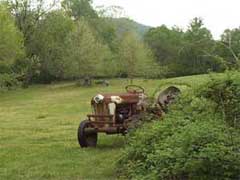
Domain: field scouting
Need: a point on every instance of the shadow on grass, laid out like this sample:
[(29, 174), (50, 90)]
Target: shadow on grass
[(108, 142), (112, 146)]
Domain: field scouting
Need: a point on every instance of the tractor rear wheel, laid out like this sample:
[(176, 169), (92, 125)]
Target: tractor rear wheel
[(86, 139)]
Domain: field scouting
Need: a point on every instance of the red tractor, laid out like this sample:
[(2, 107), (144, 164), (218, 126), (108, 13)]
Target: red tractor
[(115, 113)]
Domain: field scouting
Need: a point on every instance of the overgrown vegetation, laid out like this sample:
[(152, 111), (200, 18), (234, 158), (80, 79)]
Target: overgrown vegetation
[(198, 139)]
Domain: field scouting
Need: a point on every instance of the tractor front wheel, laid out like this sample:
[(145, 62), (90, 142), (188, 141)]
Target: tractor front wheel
[(86, 138)]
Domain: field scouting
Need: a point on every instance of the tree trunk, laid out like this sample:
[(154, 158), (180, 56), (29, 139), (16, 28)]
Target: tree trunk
[(87, 81)]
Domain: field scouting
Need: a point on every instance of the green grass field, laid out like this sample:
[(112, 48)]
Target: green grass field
[(38, 131)]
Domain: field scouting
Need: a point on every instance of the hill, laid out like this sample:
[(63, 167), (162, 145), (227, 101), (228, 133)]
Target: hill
[(124, 24)]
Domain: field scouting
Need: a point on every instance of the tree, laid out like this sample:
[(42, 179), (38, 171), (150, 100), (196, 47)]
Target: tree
[(28, 13), (11, 40), (185, 53), (79, 9), (165, 44), (134, 58), (84, 53), (48, 44), (229, 47), (197, 54)]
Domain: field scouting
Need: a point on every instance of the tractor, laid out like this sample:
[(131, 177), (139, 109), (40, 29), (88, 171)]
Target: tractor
[(116, 113)]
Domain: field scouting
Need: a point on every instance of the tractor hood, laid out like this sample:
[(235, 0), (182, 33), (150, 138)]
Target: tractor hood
[(118, 98)]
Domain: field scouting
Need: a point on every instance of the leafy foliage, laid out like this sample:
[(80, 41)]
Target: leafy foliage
[(11, 39), (185, 53), (8, 81), (79, 8), (225, 92), (228, 47), (73, 41), (128, 49), (11, 48), (194, 141), (165, 43), (49, 44), (196, 56), (124, 25), (85, 54), (134, 57)]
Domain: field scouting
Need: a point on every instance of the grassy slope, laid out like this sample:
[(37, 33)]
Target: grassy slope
[(38, 132)]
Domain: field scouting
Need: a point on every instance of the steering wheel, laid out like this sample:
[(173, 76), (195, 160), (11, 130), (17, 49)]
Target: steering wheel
[(134, 89)]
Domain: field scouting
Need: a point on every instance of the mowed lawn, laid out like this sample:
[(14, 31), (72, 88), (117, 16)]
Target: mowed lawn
[(38, 131)]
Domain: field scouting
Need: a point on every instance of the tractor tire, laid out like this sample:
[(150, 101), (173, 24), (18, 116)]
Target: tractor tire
[(86, 139)]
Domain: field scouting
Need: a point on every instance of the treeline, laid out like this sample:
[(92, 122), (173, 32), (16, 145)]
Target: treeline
[(42, 42), (193, 51)]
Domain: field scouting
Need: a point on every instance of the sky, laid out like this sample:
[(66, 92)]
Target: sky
[(217, 15)]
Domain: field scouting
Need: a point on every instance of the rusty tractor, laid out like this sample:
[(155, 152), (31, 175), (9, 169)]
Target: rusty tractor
[(115, 113)]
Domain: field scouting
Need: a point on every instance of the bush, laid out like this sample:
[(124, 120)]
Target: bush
[(199, 150), (194, 141), (8, 81), (225, 93)]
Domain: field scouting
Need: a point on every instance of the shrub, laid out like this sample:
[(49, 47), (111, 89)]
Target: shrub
[(200, 150), (194, 141), (8, 81), (225, 93)]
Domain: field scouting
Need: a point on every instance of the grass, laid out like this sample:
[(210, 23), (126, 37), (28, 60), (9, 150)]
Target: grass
[(38, 128)]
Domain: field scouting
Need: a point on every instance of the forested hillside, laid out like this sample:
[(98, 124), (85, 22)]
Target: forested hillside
[(124, 25)]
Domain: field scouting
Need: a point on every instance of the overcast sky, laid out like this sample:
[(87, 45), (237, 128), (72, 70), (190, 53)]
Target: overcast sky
[(218, 15)]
